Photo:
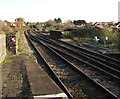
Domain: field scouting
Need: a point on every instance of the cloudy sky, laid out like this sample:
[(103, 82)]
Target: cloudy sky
[(43, 10)]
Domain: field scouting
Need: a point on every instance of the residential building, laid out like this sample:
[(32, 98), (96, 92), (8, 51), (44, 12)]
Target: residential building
[(1, 24)]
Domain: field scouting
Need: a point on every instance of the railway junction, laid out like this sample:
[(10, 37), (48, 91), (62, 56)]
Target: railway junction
[(53, 69)]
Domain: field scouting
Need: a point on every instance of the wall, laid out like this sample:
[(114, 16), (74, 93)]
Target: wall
[(119, 27), (2, 46), (1, 25)]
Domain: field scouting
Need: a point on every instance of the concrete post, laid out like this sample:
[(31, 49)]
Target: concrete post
[(2, 47)]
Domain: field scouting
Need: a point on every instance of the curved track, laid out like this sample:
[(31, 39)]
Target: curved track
[(71, 75), (113, 68)]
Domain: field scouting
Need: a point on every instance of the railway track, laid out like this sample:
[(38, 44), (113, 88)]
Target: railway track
[(100, 57), (44, 64), (75, 79), (92, 54), (113, 69)]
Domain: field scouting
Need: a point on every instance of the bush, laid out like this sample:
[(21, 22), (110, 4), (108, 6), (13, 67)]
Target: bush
[(86, 32)]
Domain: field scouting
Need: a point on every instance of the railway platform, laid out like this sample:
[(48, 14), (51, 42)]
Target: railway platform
[(23, 77), (41, 84)]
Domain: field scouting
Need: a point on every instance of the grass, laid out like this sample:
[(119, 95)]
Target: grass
[(30, 57), (6, 61), (110, 45), (20, 35)]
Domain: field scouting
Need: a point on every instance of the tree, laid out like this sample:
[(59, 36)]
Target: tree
[(50, 23), (58, 20), (119, 40), (19, 19), (79, 22), (68, 24)]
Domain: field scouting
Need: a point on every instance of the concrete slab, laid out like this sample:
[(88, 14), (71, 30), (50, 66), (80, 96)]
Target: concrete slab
[(41, 84)]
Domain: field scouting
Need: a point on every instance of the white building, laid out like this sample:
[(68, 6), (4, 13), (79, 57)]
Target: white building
[(118, 26), (119, 11)]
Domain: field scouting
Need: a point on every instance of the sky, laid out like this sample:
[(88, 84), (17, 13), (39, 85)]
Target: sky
[(43, 10)]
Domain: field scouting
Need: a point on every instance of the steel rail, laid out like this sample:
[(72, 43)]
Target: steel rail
[(84, 62), (109, 59), (54, 76), (110, 94), (88, 59)]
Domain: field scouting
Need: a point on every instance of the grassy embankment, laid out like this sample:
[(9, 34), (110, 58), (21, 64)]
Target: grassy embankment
[(86, 35)]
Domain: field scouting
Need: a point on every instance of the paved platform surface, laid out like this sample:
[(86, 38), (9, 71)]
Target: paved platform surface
[(41, 84), (23, 77)]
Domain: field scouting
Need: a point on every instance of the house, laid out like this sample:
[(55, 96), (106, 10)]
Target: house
[(6, 23), (118, 25), (6, 26), (1, 24), (17, 23)]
